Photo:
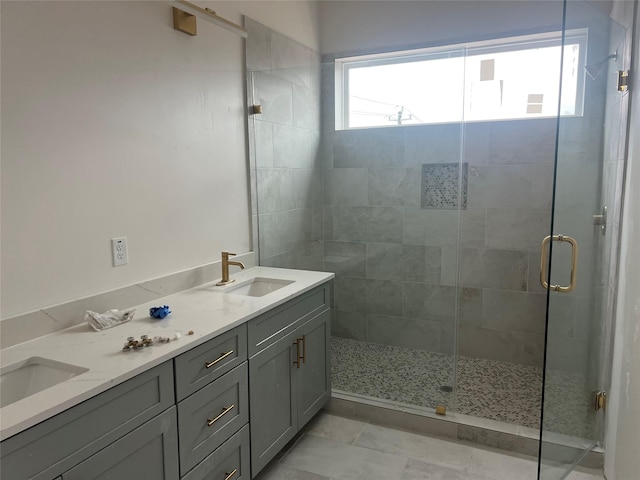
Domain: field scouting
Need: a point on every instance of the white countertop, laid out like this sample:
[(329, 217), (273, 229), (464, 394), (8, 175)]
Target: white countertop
[(205, 309)]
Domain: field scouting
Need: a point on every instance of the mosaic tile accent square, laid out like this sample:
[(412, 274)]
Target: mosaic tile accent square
[(440, 184)]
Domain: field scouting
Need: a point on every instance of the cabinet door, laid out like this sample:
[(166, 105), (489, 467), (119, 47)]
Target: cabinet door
[(314, 375), (272, 400), (149, 452)]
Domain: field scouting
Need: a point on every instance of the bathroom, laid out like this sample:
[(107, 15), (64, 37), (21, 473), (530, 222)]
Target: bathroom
[(113, 117)]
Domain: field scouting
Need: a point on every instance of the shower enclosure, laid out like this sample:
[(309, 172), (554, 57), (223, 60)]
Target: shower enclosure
[(435, 232)]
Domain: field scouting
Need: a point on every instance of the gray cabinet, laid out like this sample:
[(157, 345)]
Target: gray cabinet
[(314, 375), (273, 406), (212, 415), (149, 452), (282, 320), (204, 363), (289, 376), (212, 389), (231, 460), (56, 445)]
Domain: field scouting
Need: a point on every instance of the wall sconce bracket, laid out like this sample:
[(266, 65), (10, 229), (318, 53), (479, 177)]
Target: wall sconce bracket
[(185, 22)]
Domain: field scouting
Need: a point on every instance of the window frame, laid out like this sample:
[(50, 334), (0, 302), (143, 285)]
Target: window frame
[(505, 44)]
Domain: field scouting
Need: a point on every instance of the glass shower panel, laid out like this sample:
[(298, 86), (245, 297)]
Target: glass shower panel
[(579, 303), (286, 170), (501, 303), (392, 200)]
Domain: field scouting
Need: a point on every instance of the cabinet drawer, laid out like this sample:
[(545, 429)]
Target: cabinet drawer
[(211, 360), (210, 416), (232, 456), (270, 327), (150, 451), (55, 445)]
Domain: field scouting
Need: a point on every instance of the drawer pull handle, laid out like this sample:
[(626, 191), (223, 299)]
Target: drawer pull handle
[(220, 358), (296, 362), (211, 421), (304, 348), (229, 475)]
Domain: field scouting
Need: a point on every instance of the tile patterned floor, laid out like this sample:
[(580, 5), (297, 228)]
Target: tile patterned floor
[(495, 390), (335, 448)]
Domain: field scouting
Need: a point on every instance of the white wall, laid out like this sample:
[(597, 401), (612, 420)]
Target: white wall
[(115, 124), (297, 19), (352, 26), (623, 428)]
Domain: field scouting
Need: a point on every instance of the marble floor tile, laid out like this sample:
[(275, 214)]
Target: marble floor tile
[(335, 428), (584, 476), (388, 454), (277, 471), (463, 458), (418, 470), (337, 460)]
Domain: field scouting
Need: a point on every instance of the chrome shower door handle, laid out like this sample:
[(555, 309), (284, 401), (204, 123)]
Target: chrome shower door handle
[(544, 262)]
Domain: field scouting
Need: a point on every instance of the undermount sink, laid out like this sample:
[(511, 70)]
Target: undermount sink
[(23, 379), (258, 287)]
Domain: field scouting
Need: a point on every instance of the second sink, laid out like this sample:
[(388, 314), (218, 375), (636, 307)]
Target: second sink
[(258, 287)]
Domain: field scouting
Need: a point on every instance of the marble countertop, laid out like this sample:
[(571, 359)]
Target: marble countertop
[(206, 309)]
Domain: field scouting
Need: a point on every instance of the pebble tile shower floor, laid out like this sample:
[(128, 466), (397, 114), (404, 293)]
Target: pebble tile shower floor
[(490, 389)]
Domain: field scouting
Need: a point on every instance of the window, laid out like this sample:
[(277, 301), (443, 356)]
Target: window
[(508, 78)]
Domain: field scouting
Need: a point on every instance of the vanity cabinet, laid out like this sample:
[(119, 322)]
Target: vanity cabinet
[(314, 374), (149, 451), (211, 416), (220, 411), (212, 387), (229, 461), (57, 445), (209, 361), (289, 373)]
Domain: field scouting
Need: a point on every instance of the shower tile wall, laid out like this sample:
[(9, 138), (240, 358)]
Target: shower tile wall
[(376, 234), (286, 174), (397, 263)]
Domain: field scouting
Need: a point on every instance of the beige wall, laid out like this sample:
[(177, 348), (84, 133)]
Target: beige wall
[(114, 124), (623, 426)]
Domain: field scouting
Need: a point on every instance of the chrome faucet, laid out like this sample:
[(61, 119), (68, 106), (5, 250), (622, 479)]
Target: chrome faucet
[(225, 268)]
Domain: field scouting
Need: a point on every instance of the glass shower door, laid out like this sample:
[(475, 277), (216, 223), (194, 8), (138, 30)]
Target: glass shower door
[(393, 198), (575, 257)]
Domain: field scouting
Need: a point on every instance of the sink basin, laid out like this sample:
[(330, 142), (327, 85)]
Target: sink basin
[(258, 287), (22, 379)]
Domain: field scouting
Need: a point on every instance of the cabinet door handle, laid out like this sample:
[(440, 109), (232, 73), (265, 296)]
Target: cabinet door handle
[(297, 360), (229, 475), (304, 348), (211, 421), (220, 358)]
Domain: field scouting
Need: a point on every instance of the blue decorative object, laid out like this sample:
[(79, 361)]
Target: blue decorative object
[(159, 312)]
